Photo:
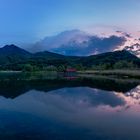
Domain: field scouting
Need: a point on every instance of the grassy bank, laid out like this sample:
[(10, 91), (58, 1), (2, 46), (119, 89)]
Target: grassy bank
[(112, 73), (36, 75), (41, 75)]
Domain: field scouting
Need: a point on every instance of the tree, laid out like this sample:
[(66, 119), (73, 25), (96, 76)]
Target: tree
[(28, 68), (51, 68), (79, 67), (124, 64), (61, 68)]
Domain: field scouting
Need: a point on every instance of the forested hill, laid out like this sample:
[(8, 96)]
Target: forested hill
[(15, 58)]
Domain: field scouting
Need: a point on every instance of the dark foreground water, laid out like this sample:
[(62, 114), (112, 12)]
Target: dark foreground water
[(74, 110)]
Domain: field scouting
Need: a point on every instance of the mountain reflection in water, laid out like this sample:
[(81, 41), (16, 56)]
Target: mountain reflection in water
[(84, 112)]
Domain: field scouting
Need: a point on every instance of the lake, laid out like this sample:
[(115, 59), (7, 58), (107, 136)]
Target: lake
[(79, 109)]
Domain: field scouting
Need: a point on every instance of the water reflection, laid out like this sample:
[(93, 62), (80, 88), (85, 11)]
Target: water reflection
[(65, 110), (135, 93), (79, 112), (14, 88)]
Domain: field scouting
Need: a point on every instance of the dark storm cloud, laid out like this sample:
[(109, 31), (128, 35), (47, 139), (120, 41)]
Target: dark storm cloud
[(95, 45)]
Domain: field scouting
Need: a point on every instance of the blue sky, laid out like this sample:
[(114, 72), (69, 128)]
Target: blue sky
[(27, 21)]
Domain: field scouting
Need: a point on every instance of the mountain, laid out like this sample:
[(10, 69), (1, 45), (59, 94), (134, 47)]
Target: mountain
[(48, 55), (13, 57), (109, 60), (12, 53), (13, 50), (112, 58)]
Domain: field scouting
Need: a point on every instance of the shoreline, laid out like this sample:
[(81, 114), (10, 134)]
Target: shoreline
[(112, 73), (41, 75)]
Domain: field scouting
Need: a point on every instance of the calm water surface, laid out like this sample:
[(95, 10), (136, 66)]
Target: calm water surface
[(70, 113)]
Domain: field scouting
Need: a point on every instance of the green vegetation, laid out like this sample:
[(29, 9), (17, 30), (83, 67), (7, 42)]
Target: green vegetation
[(17, 59), (111, 73), (122, 64)]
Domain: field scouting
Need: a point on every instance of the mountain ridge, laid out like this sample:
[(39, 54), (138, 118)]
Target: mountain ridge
[(17, 56)]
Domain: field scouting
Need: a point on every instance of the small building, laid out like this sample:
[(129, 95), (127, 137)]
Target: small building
[(71, 72)]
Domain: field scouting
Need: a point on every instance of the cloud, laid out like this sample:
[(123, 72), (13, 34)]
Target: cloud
[(94, 45), (79, 43), (128, 35)]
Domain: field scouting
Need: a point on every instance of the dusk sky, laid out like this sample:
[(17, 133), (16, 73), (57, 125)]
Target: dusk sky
[(27, 21)]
